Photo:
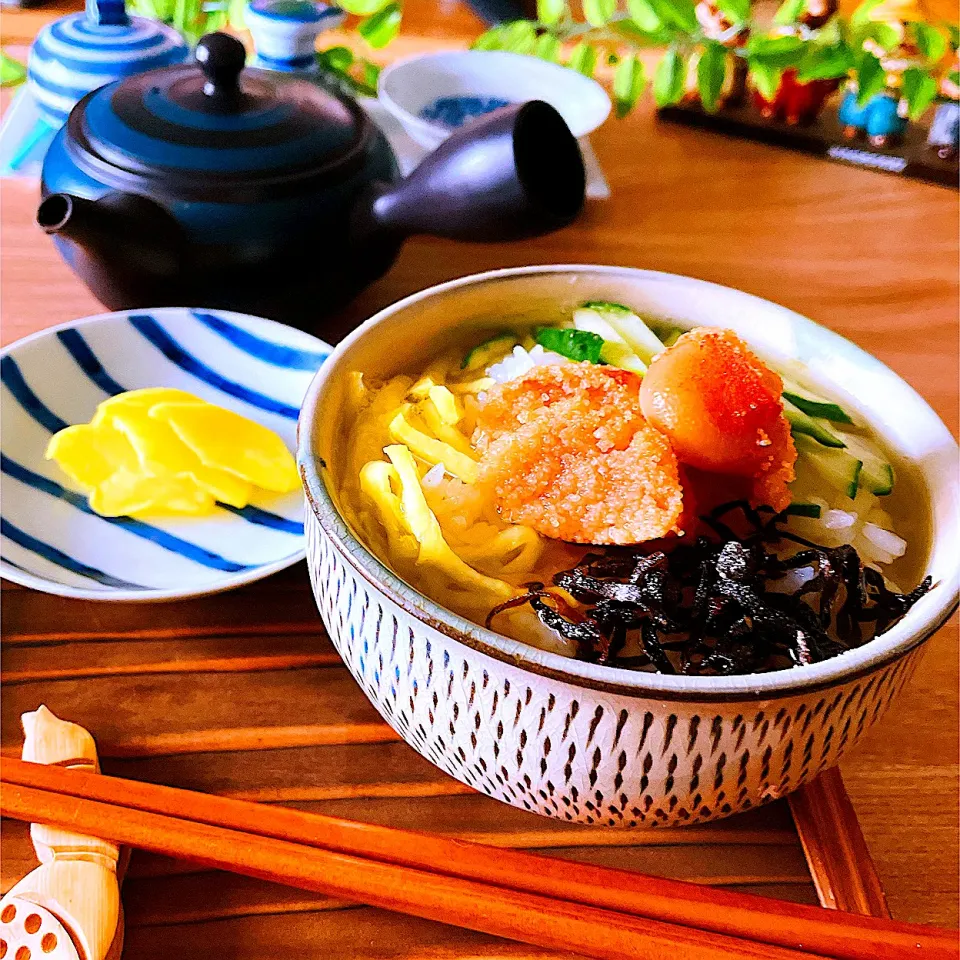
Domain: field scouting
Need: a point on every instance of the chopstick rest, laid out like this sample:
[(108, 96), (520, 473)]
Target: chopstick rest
[(69, 907)]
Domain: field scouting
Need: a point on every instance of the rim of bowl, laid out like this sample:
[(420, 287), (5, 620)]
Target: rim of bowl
[(162, 594), (438, 129), (921, 622)]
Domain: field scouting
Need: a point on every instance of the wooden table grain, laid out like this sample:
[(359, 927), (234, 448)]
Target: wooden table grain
[(871, 256)]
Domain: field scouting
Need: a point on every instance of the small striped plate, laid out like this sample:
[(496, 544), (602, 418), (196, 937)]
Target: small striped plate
[(49, 537)]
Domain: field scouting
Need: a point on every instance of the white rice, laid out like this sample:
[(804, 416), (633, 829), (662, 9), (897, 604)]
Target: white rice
[(433, 477), (838, 519), (522, 361), (884, 540)]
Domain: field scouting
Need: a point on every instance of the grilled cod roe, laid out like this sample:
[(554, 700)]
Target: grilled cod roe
[(566, 450), (721, 408)]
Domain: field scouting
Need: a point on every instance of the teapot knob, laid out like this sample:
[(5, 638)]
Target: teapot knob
[(222, 58), (106, 13)]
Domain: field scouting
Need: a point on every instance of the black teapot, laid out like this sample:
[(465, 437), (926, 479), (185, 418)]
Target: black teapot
[(212, 185)]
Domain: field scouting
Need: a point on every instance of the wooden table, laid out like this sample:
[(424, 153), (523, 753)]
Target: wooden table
[(865, 254)]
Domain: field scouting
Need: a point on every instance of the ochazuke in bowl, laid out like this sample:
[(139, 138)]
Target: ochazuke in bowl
[(580, 740)]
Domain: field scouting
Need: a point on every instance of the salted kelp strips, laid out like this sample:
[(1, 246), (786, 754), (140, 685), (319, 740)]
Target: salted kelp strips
[(735, 602)]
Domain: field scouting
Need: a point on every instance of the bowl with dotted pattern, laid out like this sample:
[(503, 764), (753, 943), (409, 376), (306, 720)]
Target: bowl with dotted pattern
[(579, 741)]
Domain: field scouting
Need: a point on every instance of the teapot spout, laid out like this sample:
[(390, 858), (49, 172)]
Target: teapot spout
[(514, 174), (123, 245)]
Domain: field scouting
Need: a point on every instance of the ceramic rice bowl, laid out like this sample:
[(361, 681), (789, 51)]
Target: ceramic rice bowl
[(575, 740)]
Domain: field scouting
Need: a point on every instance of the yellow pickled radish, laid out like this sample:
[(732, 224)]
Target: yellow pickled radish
[(164, 450), (143, 398), (90, 454), (162, 453), (158, 448), (228, 441), (125, 493)]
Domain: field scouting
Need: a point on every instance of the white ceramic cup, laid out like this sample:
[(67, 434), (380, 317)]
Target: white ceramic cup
[(408, 86)]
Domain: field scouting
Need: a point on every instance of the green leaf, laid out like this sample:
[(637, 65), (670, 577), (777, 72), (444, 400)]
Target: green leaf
[(882, 34), (789, 12), (599, 12), (12, 72), (871, 78), (338, 58), (953, 35), (643, 15), (628, 83), (236, 14), (363, 8), (669, 79), (766, 78), (919, 90), (547, 47), (825, 63), (550, 12), (583, 59), (382, 27), (371, 74), (491, 40), (861, 14), (573, 344), (777, 52), (930, 41), (519, 36), (679, 14), (736, 10), (711, 72)]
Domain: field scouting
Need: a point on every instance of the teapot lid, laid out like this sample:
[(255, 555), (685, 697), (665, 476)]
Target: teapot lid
[(215, 131)]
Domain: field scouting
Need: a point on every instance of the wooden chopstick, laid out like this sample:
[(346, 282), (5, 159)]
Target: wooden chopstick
[(833, 842), (537, 920), (744, 917)]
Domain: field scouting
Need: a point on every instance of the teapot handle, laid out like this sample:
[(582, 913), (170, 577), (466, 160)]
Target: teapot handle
[(106, 13)]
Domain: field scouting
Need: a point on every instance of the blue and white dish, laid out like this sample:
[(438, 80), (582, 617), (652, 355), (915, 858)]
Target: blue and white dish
[(83, 51), (51, 540), (285, 32)]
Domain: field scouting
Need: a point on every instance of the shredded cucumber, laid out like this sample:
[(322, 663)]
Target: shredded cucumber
[(486, 353), (628, 326), (811, 510), (840, 469), (620, 355), (615, 350), (877, 475), (802, 423), (671, 336), (823, 409)]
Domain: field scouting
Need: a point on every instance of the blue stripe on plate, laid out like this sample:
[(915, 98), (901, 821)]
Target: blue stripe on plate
[(266, 519), (53, 555), (12, 379), (87, 361), (152, 331), (276, 353), (138, 528)]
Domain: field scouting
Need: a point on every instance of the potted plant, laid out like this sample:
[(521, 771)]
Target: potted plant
[(799, 98), (712, 46)]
